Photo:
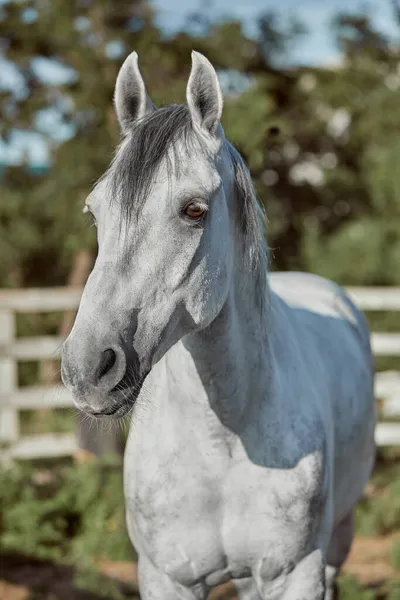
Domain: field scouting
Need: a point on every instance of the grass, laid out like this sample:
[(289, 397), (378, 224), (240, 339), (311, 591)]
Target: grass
[(64, 513), (350, 589), (395, 555), (378, 513)]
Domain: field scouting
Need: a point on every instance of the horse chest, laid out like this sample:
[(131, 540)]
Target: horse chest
[(213, 523), (177, 518), (269, 514)]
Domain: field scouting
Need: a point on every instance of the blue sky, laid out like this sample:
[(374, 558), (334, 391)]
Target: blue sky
[(318, 47)]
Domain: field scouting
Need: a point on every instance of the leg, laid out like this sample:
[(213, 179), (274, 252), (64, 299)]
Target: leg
[(306, 581), (331, 588), (154, 585), (339, 548), (247, 589)]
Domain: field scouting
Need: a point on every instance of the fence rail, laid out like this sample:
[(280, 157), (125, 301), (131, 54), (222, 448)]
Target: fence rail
[(13, 349)]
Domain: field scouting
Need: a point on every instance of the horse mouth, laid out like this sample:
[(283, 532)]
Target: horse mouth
[(123, 399), (116, 413)]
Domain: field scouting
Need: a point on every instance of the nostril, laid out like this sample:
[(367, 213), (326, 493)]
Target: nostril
[(107, 362)]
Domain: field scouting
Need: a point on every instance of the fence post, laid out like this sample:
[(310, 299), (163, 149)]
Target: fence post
[(9, 422), (101, 441)]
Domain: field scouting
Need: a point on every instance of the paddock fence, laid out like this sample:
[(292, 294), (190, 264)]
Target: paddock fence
[(13, 349)]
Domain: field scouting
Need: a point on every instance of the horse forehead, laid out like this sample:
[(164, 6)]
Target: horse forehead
[(192, 162), (190, 177)]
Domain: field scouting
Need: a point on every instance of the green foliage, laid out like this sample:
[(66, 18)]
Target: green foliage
[(69, 514), (350, 589), (395, 555), (47, 420), (329, 180), (380, 514), (89, 579), (394, 591)]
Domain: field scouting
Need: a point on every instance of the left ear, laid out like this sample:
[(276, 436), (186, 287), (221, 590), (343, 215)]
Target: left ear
[(203, 94), (131, 99)]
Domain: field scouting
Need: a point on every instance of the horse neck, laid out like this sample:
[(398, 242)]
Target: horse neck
[(232, 355)]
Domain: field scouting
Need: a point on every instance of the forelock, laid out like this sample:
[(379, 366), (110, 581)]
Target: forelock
[(152, 139)]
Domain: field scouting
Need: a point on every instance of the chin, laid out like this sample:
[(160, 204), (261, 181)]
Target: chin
[(114, 405)]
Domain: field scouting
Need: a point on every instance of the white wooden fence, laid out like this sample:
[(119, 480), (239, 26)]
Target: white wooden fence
[(14, 349)]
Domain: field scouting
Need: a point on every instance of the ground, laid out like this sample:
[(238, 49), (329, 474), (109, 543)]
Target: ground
[(369, 562)]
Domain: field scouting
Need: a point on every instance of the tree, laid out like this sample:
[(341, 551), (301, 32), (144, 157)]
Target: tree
[(317, 140), (363, 247)]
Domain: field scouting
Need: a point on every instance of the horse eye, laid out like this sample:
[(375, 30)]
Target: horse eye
[(94, 221), (87, 210), (194, 210)]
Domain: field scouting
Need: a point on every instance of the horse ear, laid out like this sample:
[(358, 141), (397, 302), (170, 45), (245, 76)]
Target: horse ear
[(131, 99), (203, 94)]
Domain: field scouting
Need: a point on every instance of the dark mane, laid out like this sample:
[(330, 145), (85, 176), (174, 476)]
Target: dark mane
[(251, 215), (153, 139)]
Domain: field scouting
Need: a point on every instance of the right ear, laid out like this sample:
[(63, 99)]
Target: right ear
[(131, 99), (203, 94)]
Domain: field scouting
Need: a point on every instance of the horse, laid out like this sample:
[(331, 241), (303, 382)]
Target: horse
[(251, 393)]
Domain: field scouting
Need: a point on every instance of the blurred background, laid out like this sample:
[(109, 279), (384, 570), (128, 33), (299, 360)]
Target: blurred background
[(312, 101)]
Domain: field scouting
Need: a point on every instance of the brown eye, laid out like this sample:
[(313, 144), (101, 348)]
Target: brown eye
[(194, 210)]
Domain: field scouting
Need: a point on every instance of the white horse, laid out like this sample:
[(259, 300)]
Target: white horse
[(252, 434)]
